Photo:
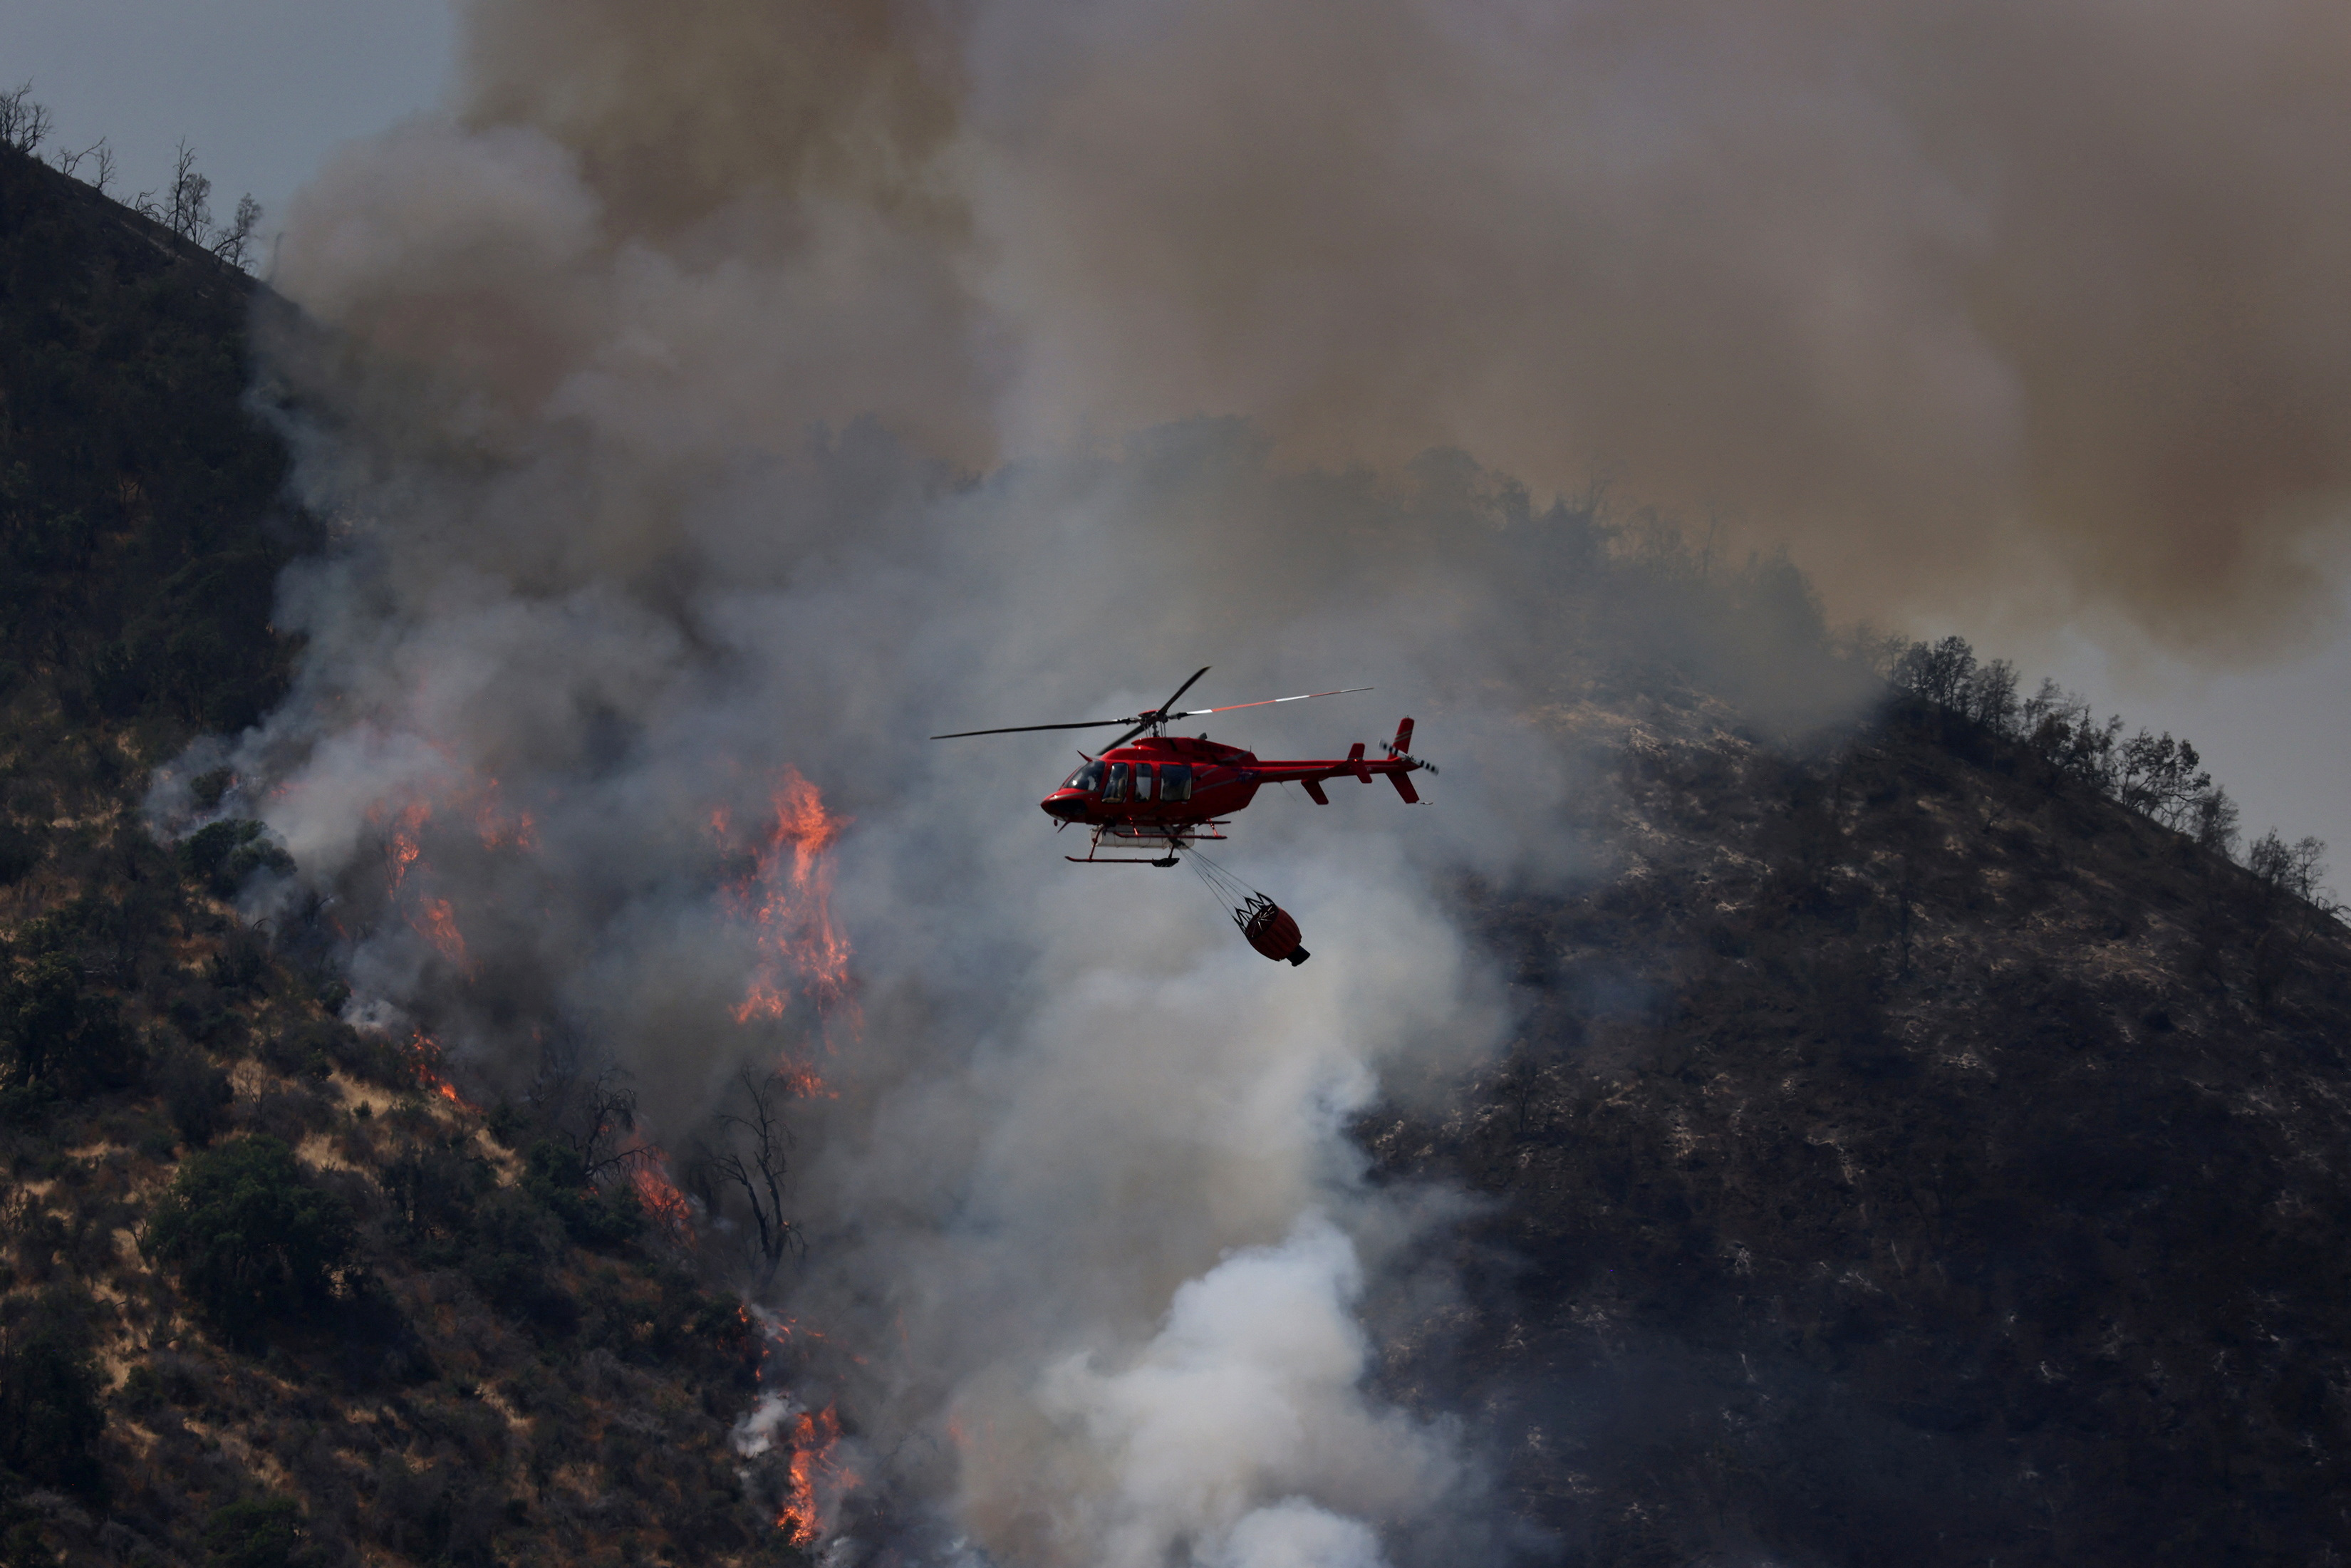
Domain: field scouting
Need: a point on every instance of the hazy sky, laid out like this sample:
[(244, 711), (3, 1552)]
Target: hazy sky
[(266, 88), (262, 89)]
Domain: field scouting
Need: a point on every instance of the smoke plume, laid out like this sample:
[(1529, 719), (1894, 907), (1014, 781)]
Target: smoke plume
[(719, 399)]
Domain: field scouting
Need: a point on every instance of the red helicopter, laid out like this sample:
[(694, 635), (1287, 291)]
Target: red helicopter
[(1172, 792)]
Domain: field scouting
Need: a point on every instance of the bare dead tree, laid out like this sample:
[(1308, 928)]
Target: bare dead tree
[(752, 1159), (607, 1114), (70, 163), (189, 213), (590, 1116), (234, 243), (23, 124)]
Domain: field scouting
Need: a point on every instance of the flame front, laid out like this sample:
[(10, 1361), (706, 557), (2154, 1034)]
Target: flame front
[(404, 847), (436, 921), (424, 1054), (815, 1480), (788, 900), (669, 1208)]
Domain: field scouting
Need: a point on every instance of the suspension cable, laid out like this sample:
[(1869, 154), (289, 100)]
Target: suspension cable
[(1229, 890)]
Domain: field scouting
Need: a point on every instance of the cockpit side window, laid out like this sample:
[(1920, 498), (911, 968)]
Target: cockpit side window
[(1115, 789)]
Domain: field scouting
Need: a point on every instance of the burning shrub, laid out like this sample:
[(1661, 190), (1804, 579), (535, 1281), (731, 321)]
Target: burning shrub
[(249, 1238)]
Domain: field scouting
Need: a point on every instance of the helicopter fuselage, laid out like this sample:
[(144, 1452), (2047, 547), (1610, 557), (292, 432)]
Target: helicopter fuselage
[(1164, 783)]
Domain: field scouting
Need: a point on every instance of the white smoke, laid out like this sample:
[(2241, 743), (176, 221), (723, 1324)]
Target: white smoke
[(588, 604), (1245, 1402), (578, 389)]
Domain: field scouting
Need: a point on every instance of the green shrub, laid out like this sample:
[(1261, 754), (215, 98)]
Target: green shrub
[(195, 1094), (49, 1412), (61, 1039), (556, 1176), (23, 1547), (251, 1241), (20, 850), (141, 1392), (516, 1243), (303, 1049), (241, 967), (220, 857), (264, 1532), (157, 1141)]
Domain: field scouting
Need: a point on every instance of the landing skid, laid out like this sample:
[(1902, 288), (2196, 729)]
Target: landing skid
[(1127, 838)]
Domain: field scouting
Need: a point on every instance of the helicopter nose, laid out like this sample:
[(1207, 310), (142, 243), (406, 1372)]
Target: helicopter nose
[(1068, 805)]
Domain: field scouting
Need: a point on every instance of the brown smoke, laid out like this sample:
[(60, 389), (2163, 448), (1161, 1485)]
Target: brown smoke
[(2033, 307), (678, 111), (1971, 303)]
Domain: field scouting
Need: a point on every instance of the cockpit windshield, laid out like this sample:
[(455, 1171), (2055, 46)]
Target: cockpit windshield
[(1088, 779)]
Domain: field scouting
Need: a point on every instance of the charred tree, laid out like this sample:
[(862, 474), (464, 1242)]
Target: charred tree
[(751, 1158)]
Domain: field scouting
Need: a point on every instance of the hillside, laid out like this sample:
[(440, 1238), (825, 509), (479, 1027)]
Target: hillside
[(1907, 1155), (409, 1341), (1907, 1152)]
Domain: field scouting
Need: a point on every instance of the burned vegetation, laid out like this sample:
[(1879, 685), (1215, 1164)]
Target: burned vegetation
[(1921, 1143), (269, 1293), (1922, 1140)]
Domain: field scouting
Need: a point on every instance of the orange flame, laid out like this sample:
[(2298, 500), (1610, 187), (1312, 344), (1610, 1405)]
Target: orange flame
[(649, 1175), (497, 829), (816, 1481), (787, 897), (436, 919), (426, 1052), (437, 923), (404, 847)]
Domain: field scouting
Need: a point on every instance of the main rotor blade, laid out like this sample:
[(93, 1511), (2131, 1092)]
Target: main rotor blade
[(1187, 686), (1153, 720), (1023, 728), (1131, 734), (1145, 720), (1269, 702)]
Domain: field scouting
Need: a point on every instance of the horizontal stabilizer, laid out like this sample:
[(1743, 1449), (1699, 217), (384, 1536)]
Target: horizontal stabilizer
[(1314, 792), (1355, 756)]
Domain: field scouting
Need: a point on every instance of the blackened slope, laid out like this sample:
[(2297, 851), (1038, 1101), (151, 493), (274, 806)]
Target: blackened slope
[(1906, 1159), (481, 1386), (139, 529)]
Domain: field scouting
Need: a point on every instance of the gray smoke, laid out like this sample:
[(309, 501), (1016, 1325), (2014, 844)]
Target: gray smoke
[(2018, 309), (1077, 1184), (725, 397)]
